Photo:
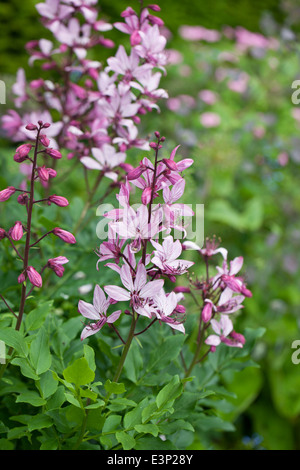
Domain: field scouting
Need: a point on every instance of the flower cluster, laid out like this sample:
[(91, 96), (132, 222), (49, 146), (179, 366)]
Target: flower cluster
[(99, 106), (222, 295), (141, 249), (38, 173)]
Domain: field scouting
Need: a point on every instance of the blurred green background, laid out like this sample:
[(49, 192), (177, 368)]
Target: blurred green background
[(246, 173)]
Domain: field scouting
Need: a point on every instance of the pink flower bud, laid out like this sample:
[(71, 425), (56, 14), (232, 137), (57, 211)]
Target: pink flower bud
[(52, 173), (136, 172), (21, 278), (180, 309), (154, 7), (31, 127), (153, 145), (135, 38), (128, 12), (53, 153), (170, 164), (44, 140), (22, 199), (22, 152), (34, 277), (34, 84), (207, 312), (5, 194), (2, 233), (56, 265), (146, 196), (105, 42), (46, 125), (43, 173), (155, 20), (183, 289), (246, 292), (17, 231), (64, 235), (59, 200), (238, 337)]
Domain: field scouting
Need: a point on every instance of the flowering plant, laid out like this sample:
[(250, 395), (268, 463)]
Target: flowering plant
[(140, 365)]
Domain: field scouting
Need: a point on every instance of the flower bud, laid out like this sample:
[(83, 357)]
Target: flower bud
[(207, 311), (135, 38), (44, 140), (170, 164), (21, 278), (146, 195), (31, 127), (155, 20), (5, 194), (34, 277), (59, 200), (22, 199), (64, 235), (21, 152), (183, 289), (238, 337), (16, 232), (56, 265), (153, 7), (53, 153), (2, 233), (34, 84), (136, 172)]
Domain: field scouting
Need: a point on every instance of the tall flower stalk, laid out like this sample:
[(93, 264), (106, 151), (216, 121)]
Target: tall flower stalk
[(30, 277)]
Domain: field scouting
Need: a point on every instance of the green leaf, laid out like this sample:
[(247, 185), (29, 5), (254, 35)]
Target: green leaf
[(47, 384), (31, 397), (89, 354), (26, 369), (36, 318), (40, 355), (79, 373), (111, 423), (127, 441), (169, 393), (147, 429), (39, 421), (14, 339), (114, 387)]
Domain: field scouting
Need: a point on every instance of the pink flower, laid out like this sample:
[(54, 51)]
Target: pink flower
[(19, 88), (211, 248), (198, 33), (208, 96), (105, 159), (97, 313), (164, 307), (5, 194), (138, 291), (166, 258), (224, 334), (209, 119), (135, 225), (64, 235)]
